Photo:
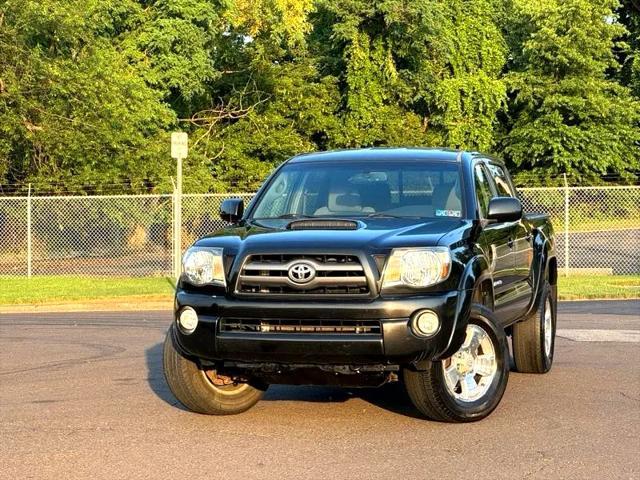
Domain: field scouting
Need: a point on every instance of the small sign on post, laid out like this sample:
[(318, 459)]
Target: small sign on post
[(179, 145), (179, 150)]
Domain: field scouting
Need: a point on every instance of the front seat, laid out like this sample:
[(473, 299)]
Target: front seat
[(377, 195)]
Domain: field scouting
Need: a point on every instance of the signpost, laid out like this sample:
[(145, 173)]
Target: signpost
[(179, 150)]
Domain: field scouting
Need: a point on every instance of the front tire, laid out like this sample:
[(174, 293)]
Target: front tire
[(469, 385), (194, 387), (534, 337)]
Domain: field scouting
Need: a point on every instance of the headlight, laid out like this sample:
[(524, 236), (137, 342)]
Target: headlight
[(203, 266), (417, 267)]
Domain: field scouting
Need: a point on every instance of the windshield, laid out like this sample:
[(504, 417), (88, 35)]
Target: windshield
[(394, 189)]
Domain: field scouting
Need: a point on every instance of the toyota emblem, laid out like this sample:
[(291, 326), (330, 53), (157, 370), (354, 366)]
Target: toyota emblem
[(302, 272)]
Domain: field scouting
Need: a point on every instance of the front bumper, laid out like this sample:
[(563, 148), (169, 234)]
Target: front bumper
[(396, 343)]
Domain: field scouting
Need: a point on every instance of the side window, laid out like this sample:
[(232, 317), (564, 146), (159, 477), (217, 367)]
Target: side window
[(501, 181), (483, 190)]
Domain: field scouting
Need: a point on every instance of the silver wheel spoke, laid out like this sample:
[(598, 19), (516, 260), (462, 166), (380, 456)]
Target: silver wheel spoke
[(485, 365), (476, 339), (468, 338), (468, 386), (451, 375)]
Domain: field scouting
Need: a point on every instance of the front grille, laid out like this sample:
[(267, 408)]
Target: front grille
[(300, 326), (334, 275)]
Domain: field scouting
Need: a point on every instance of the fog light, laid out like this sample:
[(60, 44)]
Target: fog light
[(188, 320), (425, 323)]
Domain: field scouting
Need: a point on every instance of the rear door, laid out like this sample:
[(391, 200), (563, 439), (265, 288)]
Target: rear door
[(522, 248)]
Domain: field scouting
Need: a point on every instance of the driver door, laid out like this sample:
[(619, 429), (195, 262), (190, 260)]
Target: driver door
[(516, 302), (497, 241)]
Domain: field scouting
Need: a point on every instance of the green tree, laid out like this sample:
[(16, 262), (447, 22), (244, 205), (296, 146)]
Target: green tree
[(90, 89), (629, 16), (174, 43), (285, 109), (424, 73), (74, 112), (566, 115), (269, 102)]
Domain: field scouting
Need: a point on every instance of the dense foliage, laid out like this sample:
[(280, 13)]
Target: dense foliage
[(90, 89)]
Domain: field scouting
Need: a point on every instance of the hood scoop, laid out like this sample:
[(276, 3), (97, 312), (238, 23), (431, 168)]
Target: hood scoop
[(323, 224)]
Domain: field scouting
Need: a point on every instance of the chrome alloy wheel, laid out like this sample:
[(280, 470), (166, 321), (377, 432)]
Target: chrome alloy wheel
[(469, 372), (548, 328)]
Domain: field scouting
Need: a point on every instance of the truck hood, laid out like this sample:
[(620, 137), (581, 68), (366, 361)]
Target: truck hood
[(379, 234)]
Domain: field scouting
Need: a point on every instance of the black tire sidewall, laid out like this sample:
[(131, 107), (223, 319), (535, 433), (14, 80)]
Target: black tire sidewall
[(485, 405)]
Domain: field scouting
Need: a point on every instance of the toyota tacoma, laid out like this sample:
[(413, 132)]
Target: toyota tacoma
[(362, 267)]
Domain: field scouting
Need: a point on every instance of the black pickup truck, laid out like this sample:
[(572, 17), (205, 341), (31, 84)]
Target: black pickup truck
[(361, 267)]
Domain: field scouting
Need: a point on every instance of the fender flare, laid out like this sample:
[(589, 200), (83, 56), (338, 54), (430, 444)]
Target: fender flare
[(543, 252), (475, 272)]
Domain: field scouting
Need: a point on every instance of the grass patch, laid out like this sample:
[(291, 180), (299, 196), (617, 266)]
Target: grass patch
[(582, 287), (42, 290), (598, 225), (58, 289), (586, 224)]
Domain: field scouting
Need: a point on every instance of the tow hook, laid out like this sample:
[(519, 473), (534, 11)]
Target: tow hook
[(223, 380)]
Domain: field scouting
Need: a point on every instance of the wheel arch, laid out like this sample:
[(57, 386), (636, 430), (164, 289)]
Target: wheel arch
[(545, 266), (476, 278), (552, 270)]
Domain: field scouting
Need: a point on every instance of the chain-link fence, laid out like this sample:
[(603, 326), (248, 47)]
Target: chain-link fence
[(132, 235), (597, 228)]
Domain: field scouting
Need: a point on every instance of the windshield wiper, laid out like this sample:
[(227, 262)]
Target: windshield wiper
[(286, 216), (385, 215)]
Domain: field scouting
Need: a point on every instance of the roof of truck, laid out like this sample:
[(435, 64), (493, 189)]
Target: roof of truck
[(381, 154)]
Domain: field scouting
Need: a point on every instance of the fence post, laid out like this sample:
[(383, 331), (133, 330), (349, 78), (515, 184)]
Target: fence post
[(566, 226), (29, 252)]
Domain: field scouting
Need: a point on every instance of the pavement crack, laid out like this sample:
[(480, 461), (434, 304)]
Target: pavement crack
[(625, 395)]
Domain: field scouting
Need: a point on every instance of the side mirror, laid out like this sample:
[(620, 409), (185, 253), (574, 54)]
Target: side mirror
[(505, 209), (231, 210)]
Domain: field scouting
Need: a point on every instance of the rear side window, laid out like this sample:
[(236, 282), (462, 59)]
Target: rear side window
[(483, 190), (501, 181)]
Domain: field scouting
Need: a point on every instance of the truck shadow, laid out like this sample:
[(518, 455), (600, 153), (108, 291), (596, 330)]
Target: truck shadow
[(155, 376), (391, 397)]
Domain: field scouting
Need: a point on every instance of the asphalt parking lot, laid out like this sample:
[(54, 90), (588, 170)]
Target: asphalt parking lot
[(83, 396)]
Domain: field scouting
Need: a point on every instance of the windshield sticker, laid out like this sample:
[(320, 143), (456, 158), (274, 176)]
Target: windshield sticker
[(448, 213)]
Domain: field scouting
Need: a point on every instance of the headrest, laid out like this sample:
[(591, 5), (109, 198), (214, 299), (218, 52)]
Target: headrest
[(342, 200), (348, 200)]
